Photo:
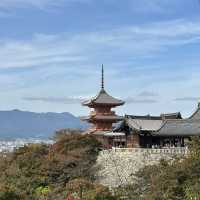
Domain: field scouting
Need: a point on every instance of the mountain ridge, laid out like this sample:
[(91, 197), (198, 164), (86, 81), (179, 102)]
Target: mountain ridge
[(25, 124)]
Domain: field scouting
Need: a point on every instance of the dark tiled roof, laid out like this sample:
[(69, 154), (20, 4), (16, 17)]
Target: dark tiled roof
[(171, 116), (182, 127), (196, 114), (166, 124), (103, 117), (148, 122), (144, 124), (161, 117), (109, 117), (103, 98)]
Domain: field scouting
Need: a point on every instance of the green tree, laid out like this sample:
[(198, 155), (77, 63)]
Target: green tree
[(178, 180), (82, 189), (9, 196), (38, 171)]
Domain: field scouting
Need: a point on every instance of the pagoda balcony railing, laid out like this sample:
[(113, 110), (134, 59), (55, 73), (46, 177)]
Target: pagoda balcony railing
[(94, 113)]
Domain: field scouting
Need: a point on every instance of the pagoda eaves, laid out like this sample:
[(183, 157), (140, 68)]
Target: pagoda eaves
[(103, 99)]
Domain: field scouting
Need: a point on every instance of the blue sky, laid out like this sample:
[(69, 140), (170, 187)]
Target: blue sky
[(51, 54)]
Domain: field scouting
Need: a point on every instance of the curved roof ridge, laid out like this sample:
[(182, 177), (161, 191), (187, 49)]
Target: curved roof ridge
[(139, 127), (104, 98), (175, 115), (162, 125), (167, 121), (196, 111)]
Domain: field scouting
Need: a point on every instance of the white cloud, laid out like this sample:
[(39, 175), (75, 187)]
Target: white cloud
[(8, 4), (79, 100), (145, 40), (142, 6), (160, 6), (196, 99), (65, 100), (8, 82), (41, 4), (148, 94), (132, 100)]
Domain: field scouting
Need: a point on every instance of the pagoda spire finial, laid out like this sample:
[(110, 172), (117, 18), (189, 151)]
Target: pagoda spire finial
[(102, 77)]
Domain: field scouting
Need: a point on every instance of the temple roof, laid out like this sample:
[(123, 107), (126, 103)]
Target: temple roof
[(103, 117), (196, 114), (148, 122), (144, 124), (168, 127), (150, 117), (166, 124), (103, 98), (183, 127)]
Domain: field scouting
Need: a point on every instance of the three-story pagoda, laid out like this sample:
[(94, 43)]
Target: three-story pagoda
[(102, 117)]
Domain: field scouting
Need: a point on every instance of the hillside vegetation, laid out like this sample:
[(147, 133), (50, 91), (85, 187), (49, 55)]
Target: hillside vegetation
[(66, 170), (178, 180), (38, 171)]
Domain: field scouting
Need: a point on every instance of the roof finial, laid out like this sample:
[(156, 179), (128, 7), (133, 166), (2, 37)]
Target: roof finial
[(102, 80)]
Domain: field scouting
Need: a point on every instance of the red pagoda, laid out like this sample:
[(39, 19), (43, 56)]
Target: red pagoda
[(102, 117)]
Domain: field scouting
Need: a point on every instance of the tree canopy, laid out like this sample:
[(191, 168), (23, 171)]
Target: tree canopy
[(39, 171), (66, 170), (178, 180)]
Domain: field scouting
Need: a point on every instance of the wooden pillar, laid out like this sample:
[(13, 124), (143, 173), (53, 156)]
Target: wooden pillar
[(182, 142), (133, 141), (161, 142)]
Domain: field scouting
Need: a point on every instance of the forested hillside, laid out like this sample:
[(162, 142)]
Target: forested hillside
[(38, 171), (67, 169)]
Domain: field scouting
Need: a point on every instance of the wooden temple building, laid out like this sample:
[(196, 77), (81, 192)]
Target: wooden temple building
[(130, 131), (164, 131)]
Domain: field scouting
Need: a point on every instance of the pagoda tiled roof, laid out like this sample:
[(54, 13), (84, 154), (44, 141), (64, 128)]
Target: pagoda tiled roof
[(103, 98), (103, 117)]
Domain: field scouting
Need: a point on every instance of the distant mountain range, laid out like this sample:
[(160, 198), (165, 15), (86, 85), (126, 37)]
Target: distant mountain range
[(23, 124)]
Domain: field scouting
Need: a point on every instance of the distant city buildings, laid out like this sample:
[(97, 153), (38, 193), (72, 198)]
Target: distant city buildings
[(11, 145)]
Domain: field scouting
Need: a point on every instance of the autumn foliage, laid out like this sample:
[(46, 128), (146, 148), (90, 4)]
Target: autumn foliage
[(39, 171)]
